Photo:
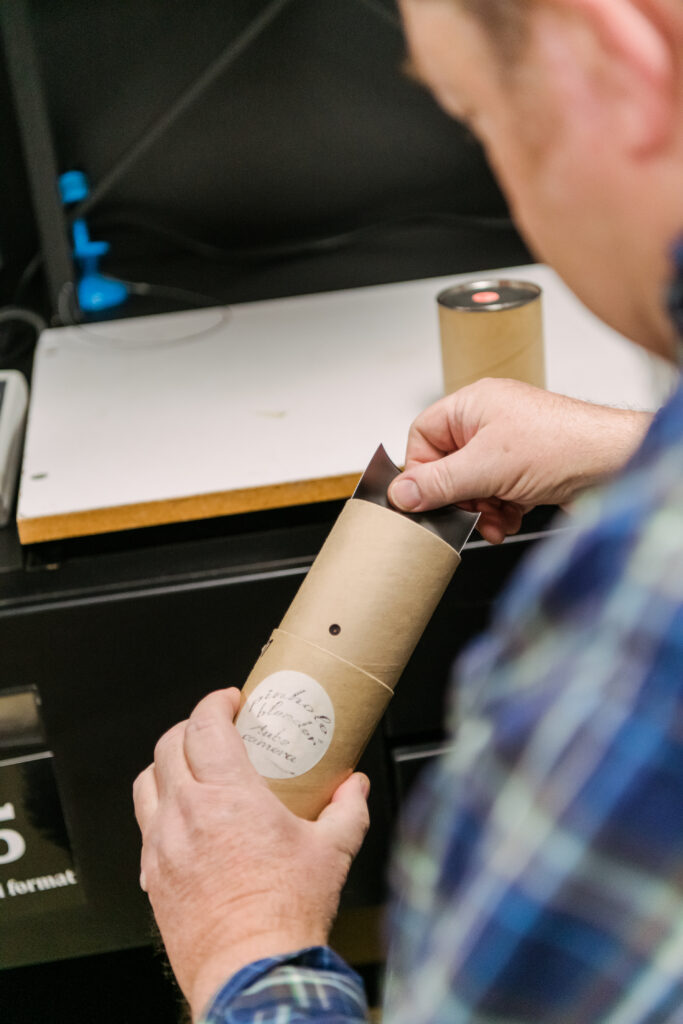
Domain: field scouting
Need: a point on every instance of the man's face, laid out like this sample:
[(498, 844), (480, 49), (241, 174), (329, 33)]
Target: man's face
[(456, 61), (551, 151)]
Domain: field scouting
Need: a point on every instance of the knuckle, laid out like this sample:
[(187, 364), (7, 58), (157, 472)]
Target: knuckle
[(418, 422), (168, 737), (414, 437), (199, 721), (139, 781), (149, 868), (441, 483)]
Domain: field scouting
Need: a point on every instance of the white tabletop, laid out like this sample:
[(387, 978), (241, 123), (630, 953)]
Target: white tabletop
[(186, 415)]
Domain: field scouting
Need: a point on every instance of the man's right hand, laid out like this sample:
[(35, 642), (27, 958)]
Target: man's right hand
[(500, 447), (232, 875)]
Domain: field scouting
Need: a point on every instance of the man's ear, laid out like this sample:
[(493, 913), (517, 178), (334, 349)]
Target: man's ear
[(633, 49)]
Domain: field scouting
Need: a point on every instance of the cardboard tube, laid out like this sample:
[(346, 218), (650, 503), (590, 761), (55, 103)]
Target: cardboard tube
[(326, 675), (491, 328), (378, 578), (306, 718)]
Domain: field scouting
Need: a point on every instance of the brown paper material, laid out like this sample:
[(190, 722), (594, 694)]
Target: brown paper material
[(324, 679), (287, 723), (378, 577), (489, 342)]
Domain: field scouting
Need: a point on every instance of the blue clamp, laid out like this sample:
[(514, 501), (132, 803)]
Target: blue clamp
[(95, 291)]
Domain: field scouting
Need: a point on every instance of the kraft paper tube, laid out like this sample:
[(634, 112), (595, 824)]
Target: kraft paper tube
[(327, 674), (491, 328)]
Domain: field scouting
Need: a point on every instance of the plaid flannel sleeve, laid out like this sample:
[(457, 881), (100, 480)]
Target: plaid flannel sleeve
[(308, 985)]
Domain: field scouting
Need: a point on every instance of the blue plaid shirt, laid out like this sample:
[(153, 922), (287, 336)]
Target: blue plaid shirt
[(540, 873)]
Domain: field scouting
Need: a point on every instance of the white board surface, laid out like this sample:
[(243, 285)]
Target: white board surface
[(156, 409)]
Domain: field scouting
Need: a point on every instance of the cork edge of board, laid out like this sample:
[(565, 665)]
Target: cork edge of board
[(35, 530)]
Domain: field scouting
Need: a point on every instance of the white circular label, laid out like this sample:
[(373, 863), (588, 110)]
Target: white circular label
[(287, 724)]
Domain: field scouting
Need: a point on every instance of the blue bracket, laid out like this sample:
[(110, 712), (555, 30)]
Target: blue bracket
[(95, 291)]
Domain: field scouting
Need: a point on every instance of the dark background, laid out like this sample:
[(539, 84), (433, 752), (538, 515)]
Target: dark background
[(313, 162)]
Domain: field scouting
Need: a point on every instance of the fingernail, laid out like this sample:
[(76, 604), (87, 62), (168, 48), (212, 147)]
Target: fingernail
[(143, 881), (405, 494), (365, 785)]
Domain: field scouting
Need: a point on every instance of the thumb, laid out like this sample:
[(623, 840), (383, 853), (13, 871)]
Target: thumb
[(213, 746), (345, 819), (463, 475)]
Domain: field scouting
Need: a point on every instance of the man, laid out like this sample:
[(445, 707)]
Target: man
[(539, 877)]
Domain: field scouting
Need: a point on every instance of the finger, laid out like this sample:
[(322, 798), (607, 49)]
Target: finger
[(498, 520), (492, 532), (145, 797), (426, 444), (513, 515), (471, 472), (170, 766), (214, 749), (345, 819), (436, 431)]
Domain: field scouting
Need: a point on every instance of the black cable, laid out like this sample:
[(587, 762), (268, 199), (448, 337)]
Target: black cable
[(266, 253), (163, 291), (284, 250), (109, 222), (96, 331), (9, 347), (69, 313), (27, 275), (27, 316), (160, 126)]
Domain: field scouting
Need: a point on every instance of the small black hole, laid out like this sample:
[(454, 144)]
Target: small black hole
[(335, 630)]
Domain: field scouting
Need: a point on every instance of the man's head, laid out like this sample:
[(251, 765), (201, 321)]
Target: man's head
[(579, 104)]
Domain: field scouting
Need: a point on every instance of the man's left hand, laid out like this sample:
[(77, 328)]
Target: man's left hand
[(232, 875)]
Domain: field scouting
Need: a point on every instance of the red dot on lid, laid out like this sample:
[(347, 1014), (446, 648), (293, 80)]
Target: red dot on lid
[(485, 297)]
